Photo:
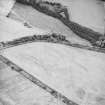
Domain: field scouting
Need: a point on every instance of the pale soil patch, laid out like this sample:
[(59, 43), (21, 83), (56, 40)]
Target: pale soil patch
[(6, 6)]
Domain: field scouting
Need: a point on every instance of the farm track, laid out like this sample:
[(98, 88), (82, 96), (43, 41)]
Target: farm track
[(54, 38), (37, 82)]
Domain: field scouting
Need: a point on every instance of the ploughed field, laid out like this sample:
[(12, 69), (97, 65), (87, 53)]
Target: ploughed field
[(41, 73)]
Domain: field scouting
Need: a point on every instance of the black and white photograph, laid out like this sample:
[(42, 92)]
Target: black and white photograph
[(52, 52)]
